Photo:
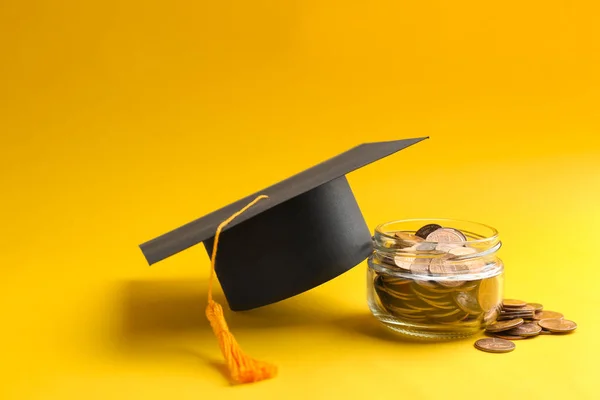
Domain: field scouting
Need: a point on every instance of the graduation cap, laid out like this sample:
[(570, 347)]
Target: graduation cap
[(279, 242), (308, 231)]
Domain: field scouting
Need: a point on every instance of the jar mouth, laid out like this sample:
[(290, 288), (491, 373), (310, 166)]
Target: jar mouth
[(468, 252), (476, 233)]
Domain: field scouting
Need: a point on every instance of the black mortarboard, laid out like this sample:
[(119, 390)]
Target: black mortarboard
[(307, 232)]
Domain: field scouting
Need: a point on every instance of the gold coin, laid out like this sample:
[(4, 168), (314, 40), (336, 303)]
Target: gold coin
[(547, 315), (500, 326), (495, 345), (557, 325), (510, 303)]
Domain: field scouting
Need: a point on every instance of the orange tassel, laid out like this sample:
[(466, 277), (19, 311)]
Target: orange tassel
[(243, 369)]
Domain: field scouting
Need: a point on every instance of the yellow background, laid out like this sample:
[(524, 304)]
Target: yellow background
[(120, 120)]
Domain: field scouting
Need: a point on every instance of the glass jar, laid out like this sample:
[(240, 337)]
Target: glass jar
[(445, 285)]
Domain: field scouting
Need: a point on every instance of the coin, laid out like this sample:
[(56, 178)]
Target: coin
[(405, 240), (473, 263), (490, 316), (442, 266), (394, 280), (397, 295), (402, 310), (558, 325), (509, 303), (446, 247), (441, 305), (450, 316), (528, 329), (505, 336), (447, 235), (523, 312), (536, 306), (467, 302), (488, 294), (547, 315), (500, 326), (425, 246), (424, 231), (421, 293), (419, 266), (404, 262), (495, 345)]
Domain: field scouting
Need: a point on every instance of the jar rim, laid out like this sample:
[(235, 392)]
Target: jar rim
[(494, 234)]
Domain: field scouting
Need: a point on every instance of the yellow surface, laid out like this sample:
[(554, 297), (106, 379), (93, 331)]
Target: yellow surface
[(122, 120)]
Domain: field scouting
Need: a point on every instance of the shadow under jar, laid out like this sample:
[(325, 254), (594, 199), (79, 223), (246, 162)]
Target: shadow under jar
[(441, 284)]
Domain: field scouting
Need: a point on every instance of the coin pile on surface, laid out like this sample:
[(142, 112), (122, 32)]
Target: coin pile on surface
[(521, 320), (435, 288)]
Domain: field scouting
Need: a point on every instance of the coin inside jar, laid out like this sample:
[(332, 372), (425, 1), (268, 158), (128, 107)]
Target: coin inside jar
[(404, 262), (424, 231), (447, 235), (404, 240)]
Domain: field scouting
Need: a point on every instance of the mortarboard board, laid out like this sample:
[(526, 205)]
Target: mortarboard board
[(308, 231)]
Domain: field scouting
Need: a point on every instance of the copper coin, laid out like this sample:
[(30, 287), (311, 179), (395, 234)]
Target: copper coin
[(419, 266), (443, 266), (495, 345), (547, 315), (490, 316), (447, 235), (506, 336), (407, 240), (424, 231), (528, 329), (510, 303), (467, 302), (462, 251), (501, 326), (489, 293), (404, 262), (558, 325), (507, 318), (536, 306)]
